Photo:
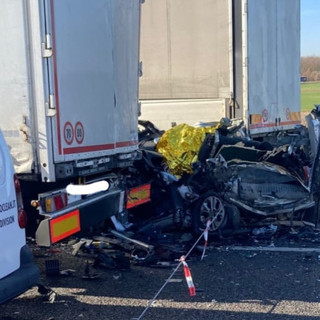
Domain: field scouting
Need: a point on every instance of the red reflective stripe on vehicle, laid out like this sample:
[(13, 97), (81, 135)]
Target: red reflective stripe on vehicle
[(138, 195), (295, 116), (55, 77), (88, 148), (126, 143), (64, 226), (270, 125), (92, 148), (255, 118)]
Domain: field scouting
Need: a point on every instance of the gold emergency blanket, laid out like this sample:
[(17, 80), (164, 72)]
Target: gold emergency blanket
[(180, 146)]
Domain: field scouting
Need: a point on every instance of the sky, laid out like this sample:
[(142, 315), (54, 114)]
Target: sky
[(310, 28)]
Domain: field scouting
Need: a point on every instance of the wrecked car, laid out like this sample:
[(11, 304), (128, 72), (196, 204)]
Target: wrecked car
[(255, 178), (223, 175)]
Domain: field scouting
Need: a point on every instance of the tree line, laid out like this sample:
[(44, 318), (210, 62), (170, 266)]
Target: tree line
[(310, 68)]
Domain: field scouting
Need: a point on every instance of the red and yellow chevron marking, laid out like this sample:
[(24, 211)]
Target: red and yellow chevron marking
[(64, 226), (255, 118), (295, 116), (138, 195)]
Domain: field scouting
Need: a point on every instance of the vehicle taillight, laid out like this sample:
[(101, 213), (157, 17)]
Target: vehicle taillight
[(22, 218), (17, 184), (22, 215), (54, 202)]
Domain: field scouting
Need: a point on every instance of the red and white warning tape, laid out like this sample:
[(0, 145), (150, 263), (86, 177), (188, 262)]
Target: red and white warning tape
[(187, 274), (205, 235)]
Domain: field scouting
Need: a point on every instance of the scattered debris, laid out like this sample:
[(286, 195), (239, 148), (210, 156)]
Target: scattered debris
[(77, 246), (67, 272), (237, 193), (48, 294), (52, 267), (265, 231), (88, 275)]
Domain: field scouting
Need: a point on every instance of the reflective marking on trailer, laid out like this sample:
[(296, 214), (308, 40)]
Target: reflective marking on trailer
[(102, 147), (271, 125), (121, 144), (295, 116), (255, 118), (138, 195), (81, 149), (64, 226)]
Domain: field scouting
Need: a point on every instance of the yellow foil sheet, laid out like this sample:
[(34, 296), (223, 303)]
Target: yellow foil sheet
[(180, 146)]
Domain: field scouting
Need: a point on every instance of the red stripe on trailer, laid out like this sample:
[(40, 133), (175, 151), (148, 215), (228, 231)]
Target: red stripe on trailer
[(271, 125), (101, 147), (88, 148), (126, 143), (55, 76)]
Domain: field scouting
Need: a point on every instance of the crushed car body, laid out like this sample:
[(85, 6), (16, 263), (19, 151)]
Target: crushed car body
[(223, 174)]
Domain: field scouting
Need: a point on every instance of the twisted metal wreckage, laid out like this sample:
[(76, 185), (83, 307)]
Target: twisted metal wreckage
[(217, 172), (210, 180), (221, 173)]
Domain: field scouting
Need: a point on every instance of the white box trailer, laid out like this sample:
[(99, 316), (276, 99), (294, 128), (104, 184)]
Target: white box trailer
[(207, 59), (69, 73), (69, 83)]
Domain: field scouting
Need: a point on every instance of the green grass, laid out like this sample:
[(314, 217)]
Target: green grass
[(310, 95)]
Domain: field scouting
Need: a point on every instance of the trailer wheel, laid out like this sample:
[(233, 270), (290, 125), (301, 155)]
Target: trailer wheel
[(209, 206)]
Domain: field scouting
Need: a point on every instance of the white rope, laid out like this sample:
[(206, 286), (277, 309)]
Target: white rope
[(170, 277)]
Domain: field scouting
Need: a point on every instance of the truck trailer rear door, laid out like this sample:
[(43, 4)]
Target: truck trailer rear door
[(272, 61), (92, 78)]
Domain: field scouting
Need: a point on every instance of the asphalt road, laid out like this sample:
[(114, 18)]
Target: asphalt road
[(232, 282)]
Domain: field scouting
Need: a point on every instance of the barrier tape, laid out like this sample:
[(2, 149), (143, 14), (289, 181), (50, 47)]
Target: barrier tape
[(187, 274), (172, 274), (205, 235)]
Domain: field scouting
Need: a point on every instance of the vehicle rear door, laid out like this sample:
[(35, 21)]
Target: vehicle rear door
[(12, 237)]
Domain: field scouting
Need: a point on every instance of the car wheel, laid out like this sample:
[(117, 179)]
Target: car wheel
[(209, 206)]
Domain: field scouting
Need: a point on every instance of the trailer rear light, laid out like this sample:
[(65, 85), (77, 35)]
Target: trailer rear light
[(55, 202), (48, 204), (60, 201)]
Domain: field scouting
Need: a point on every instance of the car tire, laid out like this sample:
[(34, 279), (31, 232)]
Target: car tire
[(210, 205), (233, 217)]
